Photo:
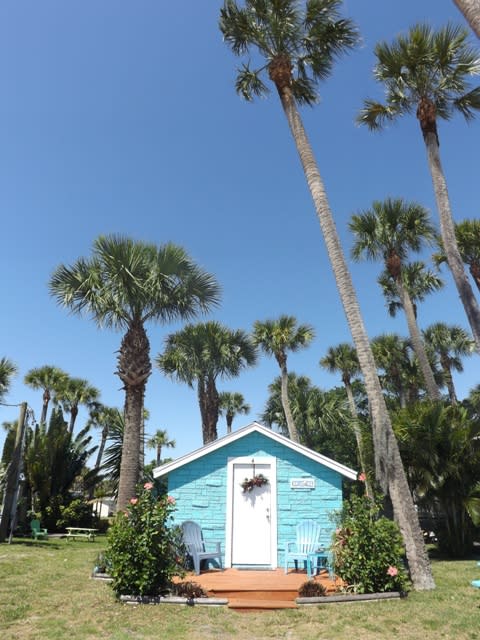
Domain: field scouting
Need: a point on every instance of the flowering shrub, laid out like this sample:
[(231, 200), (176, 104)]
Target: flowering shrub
[(143, 550), (368, 549)]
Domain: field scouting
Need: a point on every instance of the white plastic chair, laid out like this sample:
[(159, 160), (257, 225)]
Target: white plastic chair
[(193, 539)]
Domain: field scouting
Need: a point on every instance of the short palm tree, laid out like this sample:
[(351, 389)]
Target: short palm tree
[(471, 11), (75, 392), (124, 285), (418, 280), (231, 405), (467, 233), (389, 231), (276, 338), (202, 353), (450, 343), (50, 380), (7, 371), (159, 440), (298, 43), (343, 359), (427, 71)]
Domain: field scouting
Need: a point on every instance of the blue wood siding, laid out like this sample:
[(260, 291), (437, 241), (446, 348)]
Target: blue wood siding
[(200, 489)]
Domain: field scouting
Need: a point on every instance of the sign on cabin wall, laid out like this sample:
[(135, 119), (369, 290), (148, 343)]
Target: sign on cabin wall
[(302, 483)]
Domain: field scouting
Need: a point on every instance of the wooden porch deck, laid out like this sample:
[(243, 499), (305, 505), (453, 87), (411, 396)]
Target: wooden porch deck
[(248, 589)]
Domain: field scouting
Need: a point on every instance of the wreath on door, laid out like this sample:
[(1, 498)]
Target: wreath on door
[(257, 480)]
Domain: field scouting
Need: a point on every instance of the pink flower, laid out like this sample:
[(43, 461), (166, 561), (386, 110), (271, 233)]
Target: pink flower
[(148, 486), (171, 500), (362, 477), (392, 571), (133, 500)]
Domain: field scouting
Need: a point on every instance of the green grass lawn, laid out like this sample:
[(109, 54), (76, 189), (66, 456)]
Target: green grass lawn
[(46, 593)]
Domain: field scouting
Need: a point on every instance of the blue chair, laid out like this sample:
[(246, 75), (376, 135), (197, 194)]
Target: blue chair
[(193, 539), (307, 542)]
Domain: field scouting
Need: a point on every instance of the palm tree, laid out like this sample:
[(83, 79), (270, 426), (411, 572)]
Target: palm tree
[(428, 71), (298, 46), (201, 354), (158, 441), (471, 11), (7, 370), (343, 359), (388, 231), (276, 338), (124, 285), (230, 405), (75, 392), (450, 343), (48, 378), (393, 355), (322, 417), (417, 279), (467, 233), (102, 417)]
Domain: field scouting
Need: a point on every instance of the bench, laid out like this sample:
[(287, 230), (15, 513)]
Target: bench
[(81, 532)]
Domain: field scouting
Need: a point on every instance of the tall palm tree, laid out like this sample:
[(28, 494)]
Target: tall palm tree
[(124, 285), (48, 378), (450, 343), (471, 11), (428, 71), (467, 233), (232, 404), (343, 359), (159, 440), (298, 45), (388, 231), (7, 370), (418, 280), (201, 354), (75, 392), (276, 338), (393, 355)]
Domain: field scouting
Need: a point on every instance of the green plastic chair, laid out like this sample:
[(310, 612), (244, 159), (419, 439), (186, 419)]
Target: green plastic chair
[(37, 531)]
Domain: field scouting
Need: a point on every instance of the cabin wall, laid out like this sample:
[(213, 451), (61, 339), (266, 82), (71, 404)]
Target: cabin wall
[(200, 489)]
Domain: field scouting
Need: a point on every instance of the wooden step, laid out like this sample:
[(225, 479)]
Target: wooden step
[(245, 604)]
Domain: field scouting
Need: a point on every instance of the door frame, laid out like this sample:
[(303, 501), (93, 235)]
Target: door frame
[(269, 460)]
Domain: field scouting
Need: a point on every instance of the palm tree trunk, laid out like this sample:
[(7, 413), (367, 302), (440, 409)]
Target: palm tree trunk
[(73, 417), (447, 372), (447, 230), (292, 429), (358, 434), (129, 467), (159, 454), (433, 391), (388, 465), (46, 400), (229, 418), (209, 411), (471, 11), (134, 368)]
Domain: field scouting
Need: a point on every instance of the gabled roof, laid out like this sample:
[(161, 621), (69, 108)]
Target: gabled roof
[(245, 431)]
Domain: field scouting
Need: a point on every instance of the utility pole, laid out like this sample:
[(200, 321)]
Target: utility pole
[(13, 474)]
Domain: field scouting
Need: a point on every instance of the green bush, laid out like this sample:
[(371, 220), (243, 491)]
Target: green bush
[(368, 548), (143, 550), (77, 513)]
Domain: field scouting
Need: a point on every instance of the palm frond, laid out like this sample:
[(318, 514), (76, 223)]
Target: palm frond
[(249, 84), (375, 115)]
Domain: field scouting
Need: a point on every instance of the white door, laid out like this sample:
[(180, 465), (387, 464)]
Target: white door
[(253, 521)]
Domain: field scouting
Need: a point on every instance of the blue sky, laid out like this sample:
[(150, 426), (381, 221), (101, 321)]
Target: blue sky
[(121, 117)]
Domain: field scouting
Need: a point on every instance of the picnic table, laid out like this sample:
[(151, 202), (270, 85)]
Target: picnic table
[(81, 532)]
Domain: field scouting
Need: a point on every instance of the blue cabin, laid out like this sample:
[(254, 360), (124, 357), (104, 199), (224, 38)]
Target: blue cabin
[(250, 489)]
